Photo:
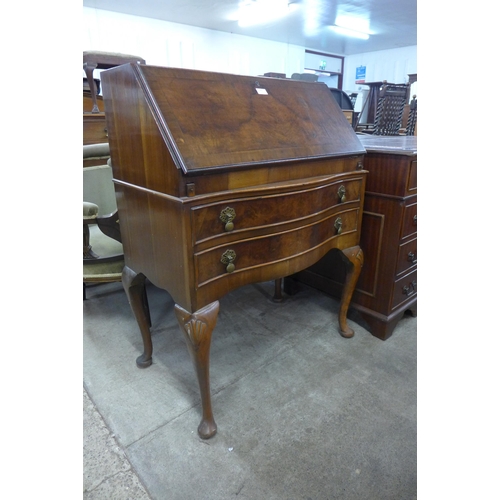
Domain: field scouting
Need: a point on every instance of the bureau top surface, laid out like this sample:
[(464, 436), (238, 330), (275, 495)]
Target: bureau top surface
[(398, 144), (216, 121)]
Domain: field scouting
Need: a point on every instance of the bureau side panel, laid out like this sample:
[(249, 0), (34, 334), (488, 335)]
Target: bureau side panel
[(154, 232)]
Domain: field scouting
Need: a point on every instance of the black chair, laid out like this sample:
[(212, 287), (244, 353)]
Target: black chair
[(390, 107)]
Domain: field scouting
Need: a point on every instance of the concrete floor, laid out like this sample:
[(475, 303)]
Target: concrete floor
[(302, 413)]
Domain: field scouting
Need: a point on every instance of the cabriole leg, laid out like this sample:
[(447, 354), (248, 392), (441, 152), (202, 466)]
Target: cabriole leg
[(135, 288), (197, 329), (353, 259)]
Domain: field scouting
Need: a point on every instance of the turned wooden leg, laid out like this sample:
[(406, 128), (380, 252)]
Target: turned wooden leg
[(197, 328), (353, 259), (135, 288)]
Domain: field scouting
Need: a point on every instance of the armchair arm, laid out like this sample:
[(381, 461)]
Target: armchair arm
[(90, 210)]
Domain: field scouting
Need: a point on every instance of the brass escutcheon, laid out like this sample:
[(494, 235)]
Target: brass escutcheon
[(228, 258), (341, 194), (338, 225), (227, 216)]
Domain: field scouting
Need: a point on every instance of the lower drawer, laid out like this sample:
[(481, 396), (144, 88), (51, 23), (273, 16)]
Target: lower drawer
[(404, 289), (245, 255)]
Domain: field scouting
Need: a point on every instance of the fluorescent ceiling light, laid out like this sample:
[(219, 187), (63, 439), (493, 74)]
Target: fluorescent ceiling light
[(252, 12), (354, 24), (350, 32)]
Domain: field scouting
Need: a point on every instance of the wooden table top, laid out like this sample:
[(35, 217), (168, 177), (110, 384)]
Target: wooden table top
[(397, 144)]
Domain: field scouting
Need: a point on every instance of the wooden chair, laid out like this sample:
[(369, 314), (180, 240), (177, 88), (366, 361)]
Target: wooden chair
[(390, 106), (103, 259)]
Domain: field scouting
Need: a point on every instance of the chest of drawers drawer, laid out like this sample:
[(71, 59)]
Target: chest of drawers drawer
[(409, 223), (404, 289), (269, 210), (407, 256), (243, 256)]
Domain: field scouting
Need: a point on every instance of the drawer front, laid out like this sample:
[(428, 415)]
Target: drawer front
[(211, 221), (246, 255), (404, 289), (412, 178), (407, 256), (409, 220)]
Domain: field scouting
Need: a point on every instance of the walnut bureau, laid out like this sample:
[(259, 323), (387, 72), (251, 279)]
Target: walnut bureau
[(225, 180), (387, 286)]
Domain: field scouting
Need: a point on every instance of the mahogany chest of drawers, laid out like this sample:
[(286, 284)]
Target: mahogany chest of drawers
[(387, 286), (225, 180)]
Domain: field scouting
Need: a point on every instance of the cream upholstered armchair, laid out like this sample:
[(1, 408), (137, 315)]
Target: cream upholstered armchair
[(102, 249)]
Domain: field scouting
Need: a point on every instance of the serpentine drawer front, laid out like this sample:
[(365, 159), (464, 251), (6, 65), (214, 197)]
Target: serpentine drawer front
[(238, 215)]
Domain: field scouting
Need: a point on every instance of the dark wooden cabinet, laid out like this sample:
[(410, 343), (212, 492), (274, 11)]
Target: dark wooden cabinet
[(225, 180), (387, 285)]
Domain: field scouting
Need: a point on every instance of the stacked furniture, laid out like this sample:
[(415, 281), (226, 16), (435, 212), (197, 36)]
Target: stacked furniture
[(94, 120)]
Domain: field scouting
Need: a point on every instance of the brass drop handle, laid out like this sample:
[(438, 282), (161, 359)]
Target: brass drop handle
[(227, 216), (228, 258), (338, 225), (412, 257), (414, 220), (341, 194)]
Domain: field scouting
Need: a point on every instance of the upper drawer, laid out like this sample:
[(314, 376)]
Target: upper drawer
[(412, 178), (240, 214), (409, 226), (391, 174)]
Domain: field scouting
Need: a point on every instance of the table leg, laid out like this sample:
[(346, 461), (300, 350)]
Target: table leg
[(353, 259), (197, 328), (135, 288)]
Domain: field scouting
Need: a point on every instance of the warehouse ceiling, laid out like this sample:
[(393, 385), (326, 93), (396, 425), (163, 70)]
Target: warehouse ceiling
[(313, 24)]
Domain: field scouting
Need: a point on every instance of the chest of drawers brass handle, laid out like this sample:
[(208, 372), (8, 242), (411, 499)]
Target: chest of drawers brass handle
[(412, 257), (228, 258), (227, 216)]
